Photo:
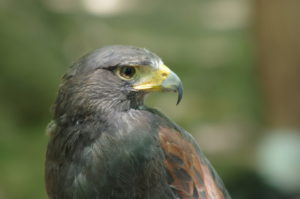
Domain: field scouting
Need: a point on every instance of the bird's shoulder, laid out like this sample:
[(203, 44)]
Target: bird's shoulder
[(190, 175)]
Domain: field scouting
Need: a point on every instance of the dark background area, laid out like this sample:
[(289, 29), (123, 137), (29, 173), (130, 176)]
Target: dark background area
[(238, 60)]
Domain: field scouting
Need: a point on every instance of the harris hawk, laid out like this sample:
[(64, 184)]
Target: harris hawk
[(106, 144)]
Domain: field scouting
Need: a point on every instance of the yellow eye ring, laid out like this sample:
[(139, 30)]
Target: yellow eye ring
[(127, 72)]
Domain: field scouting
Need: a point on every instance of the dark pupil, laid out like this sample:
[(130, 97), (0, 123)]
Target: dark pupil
[(128, 71)]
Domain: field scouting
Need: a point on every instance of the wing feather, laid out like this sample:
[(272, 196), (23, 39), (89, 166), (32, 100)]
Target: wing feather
[(191, 175)]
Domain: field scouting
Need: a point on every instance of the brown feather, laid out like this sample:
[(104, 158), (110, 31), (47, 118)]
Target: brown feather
[(191, 176)]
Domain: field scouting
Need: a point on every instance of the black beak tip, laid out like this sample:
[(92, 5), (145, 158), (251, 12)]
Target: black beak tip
[(179, 90)]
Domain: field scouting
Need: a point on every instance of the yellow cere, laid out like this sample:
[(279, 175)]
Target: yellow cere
[(151, 79)]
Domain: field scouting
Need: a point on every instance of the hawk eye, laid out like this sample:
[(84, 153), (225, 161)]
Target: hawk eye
[(127, 72)]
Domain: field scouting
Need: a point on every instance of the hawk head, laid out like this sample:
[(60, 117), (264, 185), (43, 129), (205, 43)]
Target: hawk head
[(114, 78)]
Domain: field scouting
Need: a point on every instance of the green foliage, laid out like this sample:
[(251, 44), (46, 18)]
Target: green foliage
[(38, 43)]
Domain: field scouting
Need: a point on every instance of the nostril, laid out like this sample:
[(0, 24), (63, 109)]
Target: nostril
[(164, 74)]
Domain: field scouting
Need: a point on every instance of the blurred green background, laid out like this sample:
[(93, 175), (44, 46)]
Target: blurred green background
[(238, 59)]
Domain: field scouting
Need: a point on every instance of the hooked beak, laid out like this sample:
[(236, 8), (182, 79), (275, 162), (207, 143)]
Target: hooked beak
[(161, 79), (173, 83)]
